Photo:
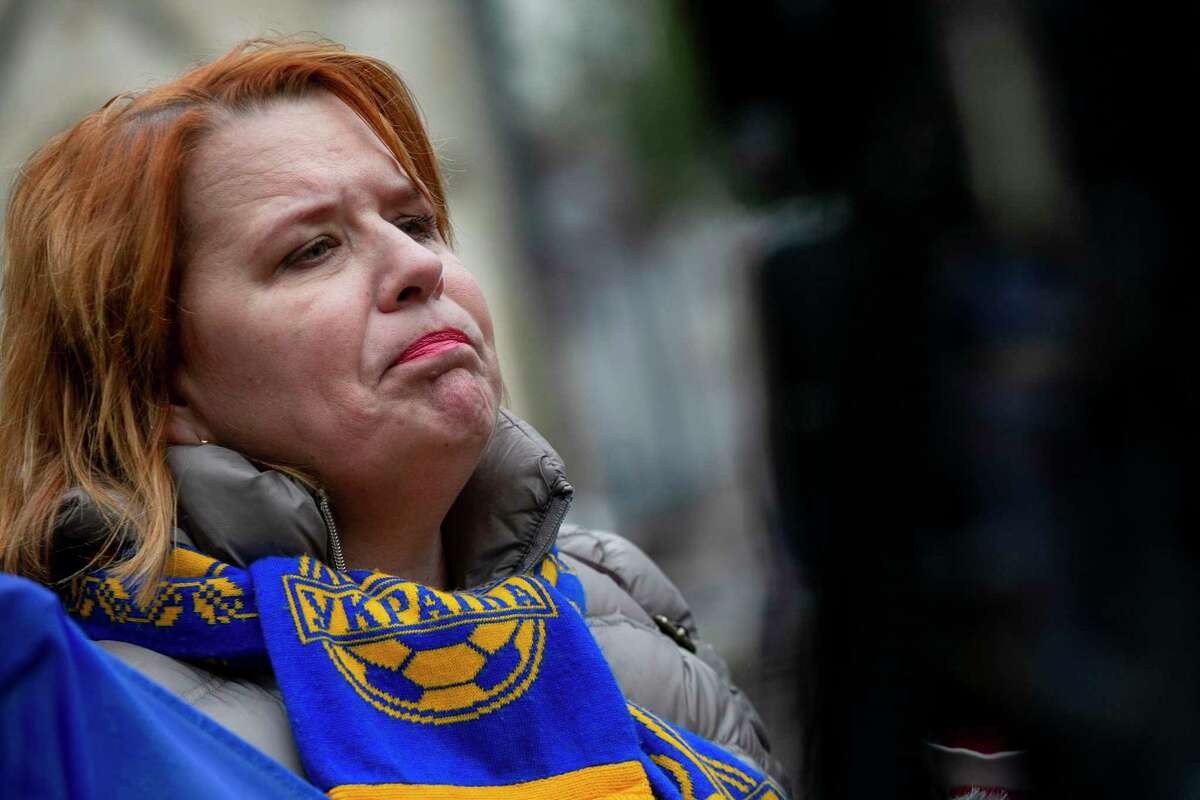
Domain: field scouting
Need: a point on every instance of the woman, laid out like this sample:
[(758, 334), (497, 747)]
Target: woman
[(231, 303)]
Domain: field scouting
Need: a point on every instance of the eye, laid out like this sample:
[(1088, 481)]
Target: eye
[(310, 253), (421, 228)]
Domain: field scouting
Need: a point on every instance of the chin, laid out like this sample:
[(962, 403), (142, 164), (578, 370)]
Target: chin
[(465, 405)]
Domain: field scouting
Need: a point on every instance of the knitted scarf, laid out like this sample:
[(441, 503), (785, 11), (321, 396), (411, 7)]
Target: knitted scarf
[(397, 690)]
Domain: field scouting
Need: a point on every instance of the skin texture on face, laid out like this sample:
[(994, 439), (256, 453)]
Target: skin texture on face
[(311, 264)]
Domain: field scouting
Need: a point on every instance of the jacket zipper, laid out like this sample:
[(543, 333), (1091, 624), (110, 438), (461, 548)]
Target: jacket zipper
[(335, 541), (560, 504)]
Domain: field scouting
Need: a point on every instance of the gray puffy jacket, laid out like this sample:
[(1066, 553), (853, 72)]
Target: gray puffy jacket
[(506, 519)]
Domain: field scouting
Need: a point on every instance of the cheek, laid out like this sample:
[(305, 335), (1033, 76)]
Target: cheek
[(255, 356), (462, 288), (235, 341)]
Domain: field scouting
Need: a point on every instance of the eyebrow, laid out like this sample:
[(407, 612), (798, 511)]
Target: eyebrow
[(304, 212), (299, 213)]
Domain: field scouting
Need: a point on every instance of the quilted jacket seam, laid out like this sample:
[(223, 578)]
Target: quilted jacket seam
[(605, 543), (205, 689), (617, 618)]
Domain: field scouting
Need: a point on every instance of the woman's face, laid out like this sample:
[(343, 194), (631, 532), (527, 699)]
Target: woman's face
[(311, 270)]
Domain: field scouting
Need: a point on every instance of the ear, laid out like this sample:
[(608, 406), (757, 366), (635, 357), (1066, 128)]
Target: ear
[(184, 426)]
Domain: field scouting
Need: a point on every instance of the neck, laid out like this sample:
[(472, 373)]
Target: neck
[(398, 532), (421, 560)]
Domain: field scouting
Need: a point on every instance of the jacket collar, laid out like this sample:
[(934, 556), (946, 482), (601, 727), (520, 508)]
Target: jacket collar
[(504, 521)]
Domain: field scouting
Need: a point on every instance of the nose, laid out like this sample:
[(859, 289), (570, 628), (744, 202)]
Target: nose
[(410, 272)]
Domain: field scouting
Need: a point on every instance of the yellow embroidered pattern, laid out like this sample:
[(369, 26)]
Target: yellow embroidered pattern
[(730, 782), (421, 654), (193, 590), (623, 781)]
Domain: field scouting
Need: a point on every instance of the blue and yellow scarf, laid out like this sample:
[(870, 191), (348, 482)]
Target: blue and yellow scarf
[(396, 690)]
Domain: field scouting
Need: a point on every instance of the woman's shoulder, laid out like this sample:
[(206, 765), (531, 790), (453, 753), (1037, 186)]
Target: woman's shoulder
[(650, 638), (632, 576), (247, 705)]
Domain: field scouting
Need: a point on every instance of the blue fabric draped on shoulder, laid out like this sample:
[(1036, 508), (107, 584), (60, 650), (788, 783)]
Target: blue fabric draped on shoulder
[(398, 690), (77, 723)]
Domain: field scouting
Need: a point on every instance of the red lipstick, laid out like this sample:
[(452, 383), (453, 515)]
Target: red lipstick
[(433, 343)]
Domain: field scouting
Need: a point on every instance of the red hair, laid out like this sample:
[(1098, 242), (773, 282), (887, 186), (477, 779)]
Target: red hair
[(93, 242)]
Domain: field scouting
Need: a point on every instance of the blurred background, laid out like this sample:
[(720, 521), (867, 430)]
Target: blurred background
[(864, 319)]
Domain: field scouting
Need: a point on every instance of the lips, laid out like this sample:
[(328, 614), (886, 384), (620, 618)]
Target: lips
[(433, 343)]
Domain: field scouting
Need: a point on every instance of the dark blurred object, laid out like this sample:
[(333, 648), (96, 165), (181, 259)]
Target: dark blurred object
[(972, 320)]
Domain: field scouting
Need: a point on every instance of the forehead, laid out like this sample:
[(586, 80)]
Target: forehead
[(287, 149)]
